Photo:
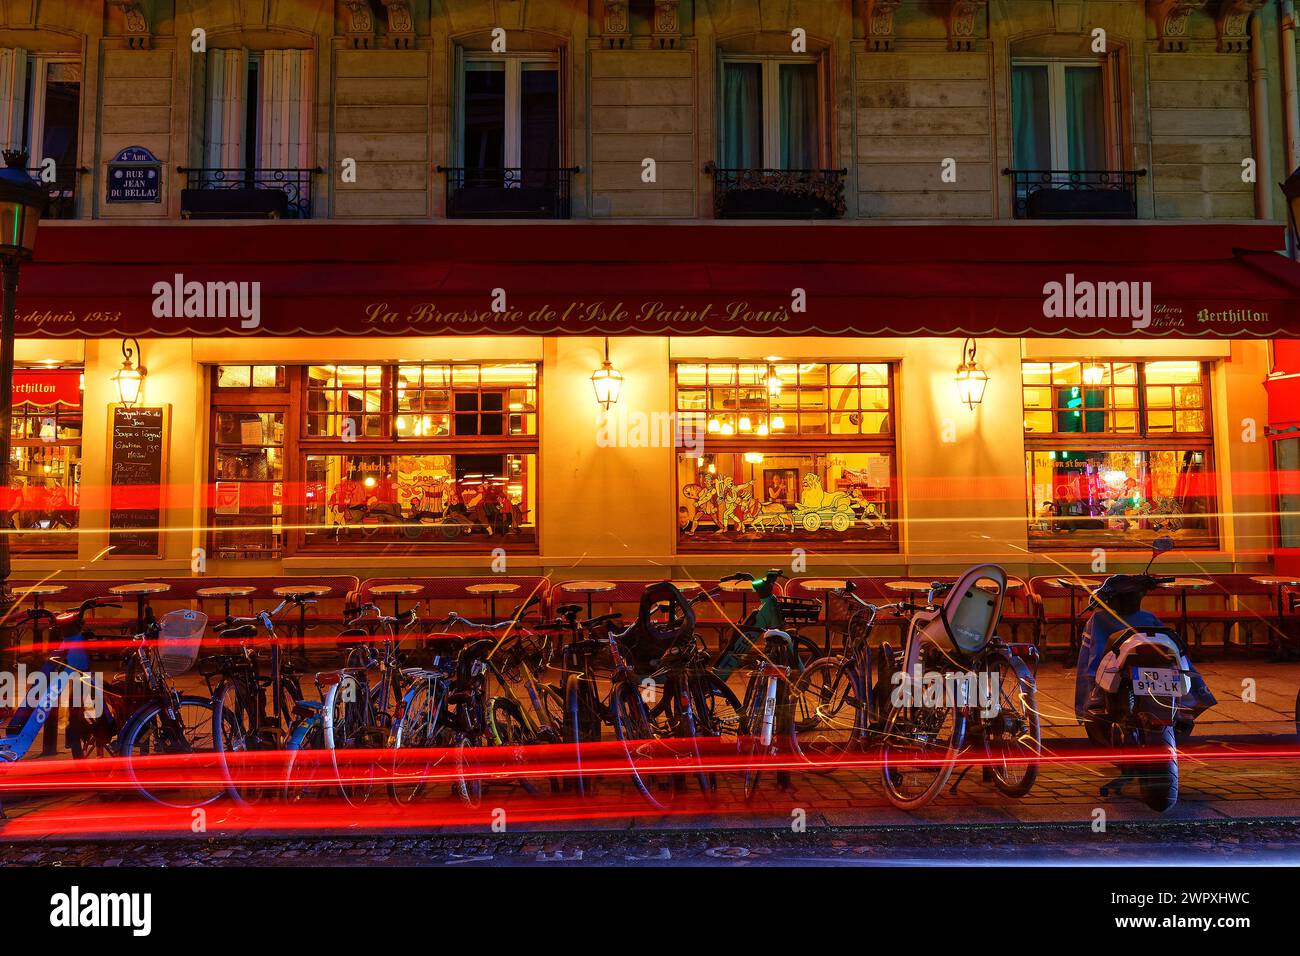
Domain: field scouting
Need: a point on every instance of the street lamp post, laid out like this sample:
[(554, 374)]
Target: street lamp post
[(22, 200)]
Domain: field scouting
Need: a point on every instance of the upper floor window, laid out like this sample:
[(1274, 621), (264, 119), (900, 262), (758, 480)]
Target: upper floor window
[(1065, 140), (1057, 115), (770, 114), (510, 113), (40, 113), (256, 129), (508, 149), (771, 144)]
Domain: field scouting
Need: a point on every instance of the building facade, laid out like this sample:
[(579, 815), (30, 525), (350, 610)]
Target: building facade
[(283, 126)]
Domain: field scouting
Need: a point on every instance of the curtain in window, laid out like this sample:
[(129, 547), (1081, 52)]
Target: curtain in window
[(13, 98), (223, 143), (1084, 109), (539, 122), (284, 99), (484, 116), (1030, 118), (798, 83), (742, 116)]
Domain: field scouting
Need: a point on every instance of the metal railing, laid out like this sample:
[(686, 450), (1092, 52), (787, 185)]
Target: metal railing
[(63, 192), (1113, 193), (294, 183), (518, 192), (777, 193)]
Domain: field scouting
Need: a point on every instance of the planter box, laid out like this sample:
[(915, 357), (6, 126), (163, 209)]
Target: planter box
[(239, 203)]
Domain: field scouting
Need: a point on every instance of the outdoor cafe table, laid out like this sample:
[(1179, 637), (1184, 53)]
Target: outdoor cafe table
[(744, 588), (1074, 585), (492, 589), (36, 592), (588, 588), (301, 591), (396, 592), (1274, 581), (226, 593), (1182, 586), (823, 587), (140, 591)]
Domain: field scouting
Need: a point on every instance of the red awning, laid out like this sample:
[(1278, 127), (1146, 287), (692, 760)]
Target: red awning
[(47, 387), (331, 278)]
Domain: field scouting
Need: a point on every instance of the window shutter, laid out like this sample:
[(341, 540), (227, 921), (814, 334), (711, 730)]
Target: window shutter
[(226, 94), (284, 110), (13, 97)]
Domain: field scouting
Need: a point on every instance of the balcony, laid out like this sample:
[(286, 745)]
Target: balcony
[(1075, 194), (63, 192), (531, 192), (211, 193), (777, 193)]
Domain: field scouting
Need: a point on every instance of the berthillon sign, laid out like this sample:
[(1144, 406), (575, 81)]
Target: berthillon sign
[(134, 175)]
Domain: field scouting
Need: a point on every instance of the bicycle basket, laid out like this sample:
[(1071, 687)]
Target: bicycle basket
[(796, 611), (179, 635)]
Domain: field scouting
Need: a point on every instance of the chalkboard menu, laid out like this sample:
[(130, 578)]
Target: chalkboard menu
[(137, 459)]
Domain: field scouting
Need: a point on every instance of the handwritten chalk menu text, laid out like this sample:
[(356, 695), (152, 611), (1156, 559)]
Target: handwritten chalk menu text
[(137, 456)]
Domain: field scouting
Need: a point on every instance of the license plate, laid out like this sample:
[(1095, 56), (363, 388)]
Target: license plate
[(1157, 681)]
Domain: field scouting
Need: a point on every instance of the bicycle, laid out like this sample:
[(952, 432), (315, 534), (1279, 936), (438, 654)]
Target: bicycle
[(239, 692), (923, 739), (169, 722), (837, 703), (659, 649), (357, 714)]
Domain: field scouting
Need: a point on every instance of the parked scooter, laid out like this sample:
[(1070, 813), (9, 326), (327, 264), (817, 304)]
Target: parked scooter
[(1134, 686)]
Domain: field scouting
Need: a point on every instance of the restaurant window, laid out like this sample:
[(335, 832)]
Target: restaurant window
[(45, 469), (1119, 452), (250, 415), (792, 454), (420, 455)]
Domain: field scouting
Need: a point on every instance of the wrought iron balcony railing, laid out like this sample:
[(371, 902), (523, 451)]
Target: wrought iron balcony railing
[(777, 193), (214, 193), (518, 192), (1075, 194), (63, 192)]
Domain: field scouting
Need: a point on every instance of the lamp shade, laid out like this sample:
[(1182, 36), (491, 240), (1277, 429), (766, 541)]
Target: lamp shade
[(129, 381), (22, 201), (607, 382), (971, 379)]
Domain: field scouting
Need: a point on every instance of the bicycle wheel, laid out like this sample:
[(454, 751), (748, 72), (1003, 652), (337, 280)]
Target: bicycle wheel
[(920, 748), (466, 786), (507, 728), (415, 730), (633, 727), (828, 712), (1012, 737), (152, 733), (349, 728), (581, 725)]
